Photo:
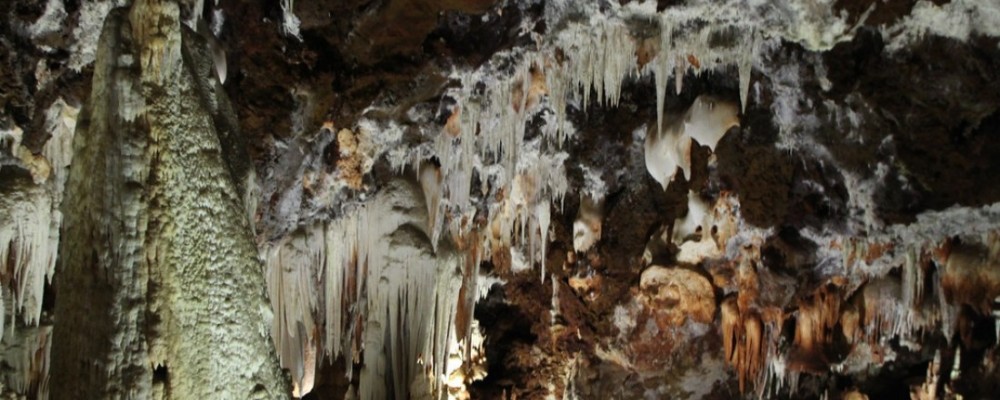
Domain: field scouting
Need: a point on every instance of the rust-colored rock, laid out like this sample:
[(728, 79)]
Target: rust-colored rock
[(817, 316), (971, 276), (742, 342)]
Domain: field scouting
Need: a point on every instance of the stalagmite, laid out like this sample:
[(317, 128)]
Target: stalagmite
[(158, 228)]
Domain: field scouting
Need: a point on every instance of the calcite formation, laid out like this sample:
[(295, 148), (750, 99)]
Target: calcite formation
[(500, 199)]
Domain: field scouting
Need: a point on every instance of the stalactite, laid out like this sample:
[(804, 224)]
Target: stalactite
[(384, 291), (29, 233), (748, 55), (293, 268), (289, 22), (584, 64), (743, 342), (27, 254), (430, 182), (814, 322), (971, 277), (705, 121), (25, 356)]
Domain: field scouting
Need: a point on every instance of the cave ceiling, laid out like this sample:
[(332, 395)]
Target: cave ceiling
[(659, 199)]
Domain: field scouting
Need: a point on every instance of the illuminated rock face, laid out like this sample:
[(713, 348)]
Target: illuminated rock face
[(159, 282), (482, 199)]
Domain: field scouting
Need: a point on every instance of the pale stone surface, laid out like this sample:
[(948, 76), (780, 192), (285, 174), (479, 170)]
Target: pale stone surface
[(158, 255)]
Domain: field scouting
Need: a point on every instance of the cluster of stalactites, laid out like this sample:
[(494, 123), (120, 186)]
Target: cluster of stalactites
[(815, 321), (863, 309), (27, 255), (485, 131), (599, 54), (748, 333), (889, 307), (369, 286), (742, 342), (527, 179), (29, 232), (752, 330), (961, 273), (519, 222)]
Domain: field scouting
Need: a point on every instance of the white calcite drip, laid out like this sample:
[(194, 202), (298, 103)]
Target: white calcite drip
[(289, 22), (29, 233), (26, 251), (370, 287), (293, 277), (360, 285), (598, 54), (520, 220), (589, 58), (587, 227), (705, 122)]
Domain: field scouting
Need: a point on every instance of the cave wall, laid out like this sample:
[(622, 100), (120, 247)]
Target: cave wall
[(834, 234)]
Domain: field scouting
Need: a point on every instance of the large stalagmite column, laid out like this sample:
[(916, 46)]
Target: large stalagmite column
[(159, 291)]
